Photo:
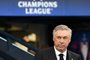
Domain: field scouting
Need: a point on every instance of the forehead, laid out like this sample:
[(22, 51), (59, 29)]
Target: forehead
[(62, 32)]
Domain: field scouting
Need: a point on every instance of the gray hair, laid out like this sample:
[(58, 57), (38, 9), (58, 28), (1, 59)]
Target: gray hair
[(62, 27)]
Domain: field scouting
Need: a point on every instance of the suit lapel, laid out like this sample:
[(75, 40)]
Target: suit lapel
[(52, 54), (69, 55)]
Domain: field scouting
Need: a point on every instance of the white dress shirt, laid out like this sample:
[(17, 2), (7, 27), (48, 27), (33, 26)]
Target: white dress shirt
[(58, 52)]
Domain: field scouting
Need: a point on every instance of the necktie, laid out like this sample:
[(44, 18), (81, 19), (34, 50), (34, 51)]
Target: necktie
[(61, 56)]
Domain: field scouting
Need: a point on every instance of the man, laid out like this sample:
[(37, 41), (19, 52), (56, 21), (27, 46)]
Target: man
[(62, 38)]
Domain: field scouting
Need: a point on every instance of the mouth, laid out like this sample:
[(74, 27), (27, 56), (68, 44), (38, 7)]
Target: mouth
[(61, 46)]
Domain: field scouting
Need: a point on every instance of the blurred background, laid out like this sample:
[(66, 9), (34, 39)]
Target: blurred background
[(37, 31)]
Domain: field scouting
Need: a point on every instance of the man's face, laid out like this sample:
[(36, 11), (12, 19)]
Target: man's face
[(61, 40)]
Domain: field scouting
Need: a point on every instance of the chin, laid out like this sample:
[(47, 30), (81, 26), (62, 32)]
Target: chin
[(61, 49)]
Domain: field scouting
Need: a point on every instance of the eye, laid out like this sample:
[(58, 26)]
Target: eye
[(65, 37), (59, 37)]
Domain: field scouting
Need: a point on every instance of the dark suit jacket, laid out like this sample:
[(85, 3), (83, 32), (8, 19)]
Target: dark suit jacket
[(49, 54)]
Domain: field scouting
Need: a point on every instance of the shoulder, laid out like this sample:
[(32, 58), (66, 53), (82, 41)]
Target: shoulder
[(74, 55), (43, 54)]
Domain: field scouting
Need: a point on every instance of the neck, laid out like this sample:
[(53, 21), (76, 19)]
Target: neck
[(60, 50)]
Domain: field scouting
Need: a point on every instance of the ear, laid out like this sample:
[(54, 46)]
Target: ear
[(53, 38), (69, 40)]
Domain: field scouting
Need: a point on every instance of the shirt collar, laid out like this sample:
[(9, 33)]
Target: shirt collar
[(58, 52)]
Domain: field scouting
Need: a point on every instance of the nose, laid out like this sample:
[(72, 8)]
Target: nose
[(61, 40)]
